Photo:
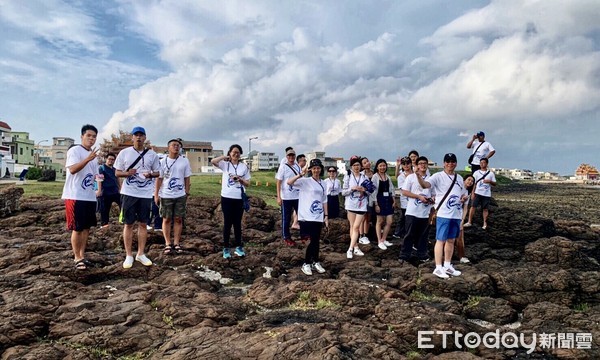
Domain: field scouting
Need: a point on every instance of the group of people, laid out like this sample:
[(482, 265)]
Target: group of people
[(303, 195), (145, 179)]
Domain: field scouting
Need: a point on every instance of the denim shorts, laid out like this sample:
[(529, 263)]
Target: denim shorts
[(447, 228)]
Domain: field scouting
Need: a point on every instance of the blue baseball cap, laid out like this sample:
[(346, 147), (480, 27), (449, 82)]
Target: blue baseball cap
[(138, 129), (481, 133)]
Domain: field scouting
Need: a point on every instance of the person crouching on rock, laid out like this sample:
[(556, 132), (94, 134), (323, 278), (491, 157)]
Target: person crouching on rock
[(357, 198), (79, 194), (236, 176), (171, 193), (312, 211)]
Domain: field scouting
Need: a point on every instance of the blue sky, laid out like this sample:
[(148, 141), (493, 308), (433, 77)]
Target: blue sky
[(374, 78)]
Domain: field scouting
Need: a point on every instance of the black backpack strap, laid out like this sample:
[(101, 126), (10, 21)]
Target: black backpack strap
[(137, 160)]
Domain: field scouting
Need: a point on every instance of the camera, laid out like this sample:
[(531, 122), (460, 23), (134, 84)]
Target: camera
[(235, 178), (430, 200)]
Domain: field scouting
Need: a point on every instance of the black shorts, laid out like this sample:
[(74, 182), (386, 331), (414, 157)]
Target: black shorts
[(135, 209), (483, 201), (357, 212), (81, 215)]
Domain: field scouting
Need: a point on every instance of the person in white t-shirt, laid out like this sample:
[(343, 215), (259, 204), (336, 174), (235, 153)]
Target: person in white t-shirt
[(449, 213), (312, 212), (403, 169), (236, 176), (363, 236), (481, 149), (171, 192), (139, 166), (417, 213), (333, 188), (355, 204), (287, 195), (79, 193), (482, 194)]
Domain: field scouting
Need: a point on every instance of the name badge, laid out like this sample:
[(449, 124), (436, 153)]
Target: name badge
[(385, 193)]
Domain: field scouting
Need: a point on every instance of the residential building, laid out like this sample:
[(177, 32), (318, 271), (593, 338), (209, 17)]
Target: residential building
[(257, 160), (325, 160), (7, 163), (21, 147), (199, 153)]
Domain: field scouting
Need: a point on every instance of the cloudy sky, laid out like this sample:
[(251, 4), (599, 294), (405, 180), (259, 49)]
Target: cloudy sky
[(374, 78)]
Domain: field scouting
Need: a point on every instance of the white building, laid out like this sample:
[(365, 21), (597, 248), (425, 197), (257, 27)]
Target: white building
[(258, 160)]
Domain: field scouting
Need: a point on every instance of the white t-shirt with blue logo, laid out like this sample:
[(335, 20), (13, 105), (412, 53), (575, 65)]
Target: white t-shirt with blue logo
[(482, 188), (311, 200), (137, 185), (288, 192), (80, 186), (355, 200), (416, 207), (230, 188), (452, 208), (173, 173)]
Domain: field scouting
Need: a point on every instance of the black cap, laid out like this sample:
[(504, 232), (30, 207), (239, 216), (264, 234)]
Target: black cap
[(450, 157)]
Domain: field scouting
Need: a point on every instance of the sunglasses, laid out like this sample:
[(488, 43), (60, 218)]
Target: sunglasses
[(330, 170)]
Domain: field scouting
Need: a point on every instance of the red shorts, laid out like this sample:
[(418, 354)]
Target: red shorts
[(81, 215)]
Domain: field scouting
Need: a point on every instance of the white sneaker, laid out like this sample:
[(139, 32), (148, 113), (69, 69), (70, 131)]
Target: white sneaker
[(358, 252), (468, 224), (464, 260), (387, 243), (440, 273), (349, 254), (306, 269), (450, 270), (149, 228), (143, 259), (318, 267), (128, 263), (159, 230), (382, 246), (364, 240)]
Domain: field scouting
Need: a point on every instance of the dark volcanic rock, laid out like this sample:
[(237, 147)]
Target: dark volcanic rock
[(197, 305)]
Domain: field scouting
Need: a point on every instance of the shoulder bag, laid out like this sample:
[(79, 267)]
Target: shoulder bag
[(433, 213), (474, 152)]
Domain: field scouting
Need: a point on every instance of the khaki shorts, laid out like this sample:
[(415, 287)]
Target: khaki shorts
[(170, 208)]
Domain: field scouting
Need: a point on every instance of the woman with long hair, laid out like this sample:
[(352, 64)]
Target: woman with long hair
[(383, 202), (333, 188), (363, 236), (355, 204), (236, 176)]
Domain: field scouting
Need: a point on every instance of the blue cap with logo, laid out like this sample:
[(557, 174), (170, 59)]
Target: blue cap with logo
[(138, 129), (481, 133)]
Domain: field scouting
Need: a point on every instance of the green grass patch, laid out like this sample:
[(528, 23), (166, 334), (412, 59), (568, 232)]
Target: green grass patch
[(582, 307), (304, 302), (417, 295), (472, 301)]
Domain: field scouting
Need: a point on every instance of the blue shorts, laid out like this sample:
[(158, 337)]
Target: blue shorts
[(446, 228)]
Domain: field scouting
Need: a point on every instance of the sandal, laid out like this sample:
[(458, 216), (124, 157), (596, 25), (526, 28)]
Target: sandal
[(87, 263), (168, 249), (80, 265), (178, 249)]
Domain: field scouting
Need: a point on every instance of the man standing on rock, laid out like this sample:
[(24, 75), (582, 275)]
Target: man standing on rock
[(484, 180), (79, 194), (481, 149), (450, 195), (139, 166), (287, 195), (171, 192)]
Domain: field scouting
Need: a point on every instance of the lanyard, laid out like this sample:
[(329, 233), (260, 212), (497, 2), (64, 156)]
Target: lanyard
[(319, 182), (167, 164)]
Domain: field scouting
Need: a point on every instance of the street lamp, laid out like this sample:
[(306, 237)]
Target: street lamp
[(250, 144), (37, 153)]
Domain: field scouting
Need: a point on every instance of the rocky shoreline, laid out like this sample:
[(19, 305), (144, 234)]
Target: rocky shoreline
[(535, 270)]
